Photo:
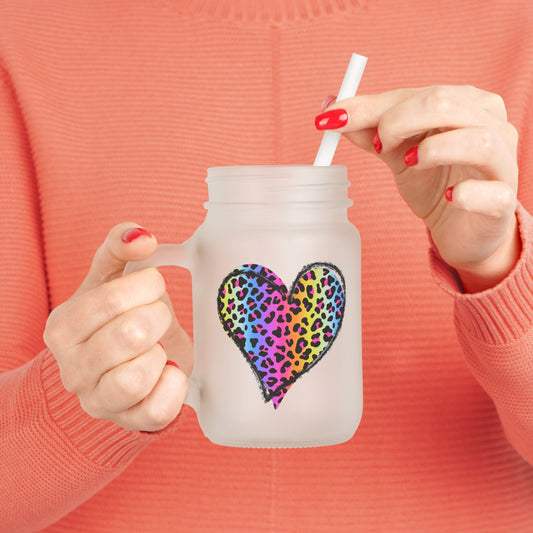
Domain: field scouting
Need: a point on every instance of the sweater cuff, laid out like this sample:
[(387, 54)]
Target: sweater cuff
[(102, 442), (503, 313)]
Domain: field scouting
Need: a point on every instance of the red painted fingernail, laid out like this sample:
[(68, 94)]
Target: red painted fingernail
[(135, 233), (449, 194), (160, 344), (331, 120), (327, 101), (172, 363), (411, 156), (376, 141)]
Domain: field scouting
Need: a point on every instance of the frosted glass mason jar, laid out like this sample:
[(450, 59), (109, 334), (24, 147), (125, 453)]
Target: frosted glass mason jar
[(276, 307)]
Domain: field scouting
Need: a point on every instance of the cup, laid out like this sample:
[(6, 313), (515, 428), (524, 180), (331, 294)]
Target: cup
[(275, 272)]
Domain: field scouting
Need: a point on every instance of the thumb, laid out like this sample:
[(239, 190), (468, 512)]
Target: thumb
[(125, 242)]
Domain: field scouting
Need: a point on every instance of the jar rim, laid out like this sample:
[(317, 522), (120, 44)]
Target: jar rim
[(327, 173)]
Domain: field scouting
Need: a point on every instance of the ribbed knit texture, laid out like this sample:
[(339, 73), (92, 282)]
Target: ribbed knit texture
[(112, 111)]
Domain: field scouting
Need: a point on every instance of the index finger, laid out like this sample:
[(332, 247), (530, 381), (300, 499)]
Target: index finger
[(89, 311), (365, 111)]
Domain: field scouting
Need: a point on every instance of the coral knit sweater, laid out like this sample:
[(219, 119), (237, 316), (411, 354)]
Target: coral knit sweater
[(112, 111)]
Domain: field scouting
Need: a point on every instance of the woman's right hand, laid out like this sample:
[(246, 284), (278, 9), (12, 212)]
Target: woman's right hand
[(106, 338)]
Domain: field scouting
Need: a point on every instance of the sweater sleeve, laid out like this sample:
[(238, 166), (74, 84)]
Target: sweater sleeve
[(495, 329), (53, 456)]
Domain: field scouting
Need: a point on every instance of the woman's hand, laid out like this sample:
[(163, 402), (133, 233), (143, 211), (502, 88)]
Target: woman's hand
[(105, 338), (453, 156)]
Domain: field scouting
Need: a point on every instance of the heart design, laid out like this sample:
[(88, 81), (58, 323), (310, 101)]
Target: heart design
[(282, 334)]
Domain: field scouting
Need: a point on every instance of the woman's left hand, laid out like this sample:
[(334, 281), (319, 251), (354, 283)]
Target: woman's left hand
[(453, 156)]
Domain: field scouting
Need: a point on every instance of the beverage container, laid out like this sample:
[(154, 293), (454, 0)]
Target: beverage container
[(275, 272)]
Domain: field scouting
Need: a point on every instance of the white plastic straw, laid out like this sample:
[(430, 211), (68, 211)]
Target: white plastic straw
[(349, 86)]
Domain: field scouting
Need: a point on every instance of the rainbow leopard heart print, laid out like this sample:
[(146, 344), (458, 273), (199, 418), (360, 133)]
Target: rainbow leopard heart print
[(282, 333)]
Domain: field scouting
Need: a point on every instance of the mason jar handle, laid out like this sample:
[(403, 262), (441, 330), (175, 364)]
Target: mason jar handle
[(179, 255)]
